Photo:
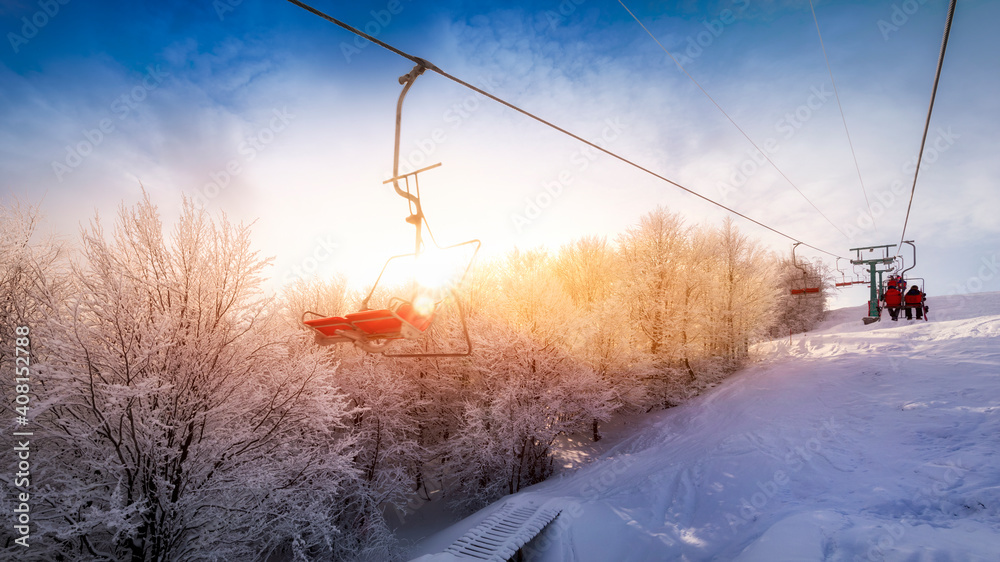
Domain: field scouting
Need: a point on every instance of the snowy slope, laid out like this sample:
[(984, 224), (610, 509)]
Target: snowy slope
[(853, 443)]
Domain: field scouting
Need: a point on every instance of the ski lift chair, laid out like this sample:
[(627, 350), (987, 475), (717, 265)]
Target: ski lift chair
[(374, 330), (915, 302), (804, 286)]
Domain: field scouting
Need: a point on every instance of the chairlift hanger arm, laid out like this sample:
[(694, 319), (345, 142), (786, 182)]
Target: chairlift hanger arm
[(406, 81), (795, 262), (912, 245), (416, 211)]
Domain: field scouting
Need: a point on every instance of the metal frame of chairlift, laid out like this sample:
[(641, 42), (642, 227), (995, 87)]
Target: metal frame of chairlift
[(844, 282), (843, 276), (874, 310), (858, 276), (805, 289), (912, 305), (374, 330)]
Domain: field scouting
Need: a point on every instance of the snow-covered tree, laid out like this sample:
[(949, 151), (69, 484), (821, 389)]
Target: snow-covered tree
[(524, 394), (328, 296), (532, 300), (185, 415), (31, 273), (180, 422), (798, 312), (590, 271), (743, 292), (653, 255), (656, 290), (32, 281)]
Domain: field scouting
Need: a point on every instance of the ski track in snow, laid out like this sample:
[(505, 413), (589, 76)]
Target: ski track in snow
[(851, 443)]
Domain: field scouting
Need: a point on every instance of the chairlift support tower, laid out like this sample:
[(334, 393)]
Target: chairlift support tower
[(875, 286)]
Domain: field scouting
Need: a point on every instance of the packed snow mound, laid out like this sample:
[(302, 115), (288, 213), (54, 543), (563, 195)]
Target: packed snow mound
[(942, 308), (852, 442)]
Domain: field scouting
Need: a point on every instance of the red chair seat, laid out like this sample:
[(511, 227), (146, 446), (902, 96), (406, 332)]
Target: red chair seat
[(375, 322), (400, 320), (329, 326), (409, 314)]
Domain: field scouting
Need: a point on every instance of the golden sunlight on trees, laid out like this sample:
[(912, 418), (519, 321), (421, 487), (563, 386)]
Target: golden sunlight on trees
[(652, 255), (182, 413)]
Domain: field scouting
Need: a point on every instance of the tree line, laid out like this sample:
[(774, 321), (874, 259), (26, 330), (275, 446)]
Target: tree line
[(181, 412)]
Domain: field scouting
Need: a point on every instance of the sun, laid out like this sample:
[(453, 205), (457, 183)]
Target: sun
[(436, 269)]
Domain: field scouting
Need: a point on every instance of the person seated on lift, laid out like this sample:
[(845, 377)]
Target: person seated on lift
[(893, 299), (915, 300)]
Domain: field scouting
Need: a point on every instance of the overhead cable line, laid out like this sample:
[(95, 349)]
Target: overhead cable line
[(927, 123), (842, 116), (731, 120), (429, 66)]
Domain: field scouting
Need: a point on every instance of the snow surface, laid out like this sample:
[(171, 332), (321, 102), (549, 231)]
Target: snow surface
[(851, 442)]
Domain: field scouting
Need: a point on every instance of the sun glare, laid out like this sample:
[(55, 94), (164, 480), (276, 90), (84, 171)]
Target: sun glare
[(424, 280), (424, 304), (437, 269)]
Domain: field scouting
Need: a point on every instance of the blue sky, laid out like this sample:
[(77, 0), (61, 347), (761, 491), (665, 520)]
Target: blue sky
[(267, 113)]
